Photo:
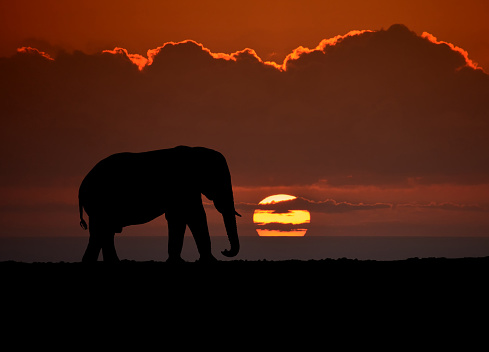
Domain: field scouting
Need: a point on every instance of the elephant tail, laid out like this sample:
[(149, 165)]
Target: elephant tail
[(83, 224)]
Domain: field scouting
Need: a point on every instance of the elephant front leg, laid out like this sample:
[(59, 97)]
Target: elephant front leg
[(176, 233), (197, 223)]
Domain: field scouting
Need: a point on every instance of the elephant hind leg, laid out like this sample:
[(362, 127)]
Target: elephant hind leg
[(93, 249), (108, 247), (100, 239)]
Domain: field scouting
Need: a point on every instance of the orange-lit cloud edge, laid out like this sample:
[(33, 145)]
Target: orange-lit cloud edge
[(141, 62), (29, 50), (464, 53)]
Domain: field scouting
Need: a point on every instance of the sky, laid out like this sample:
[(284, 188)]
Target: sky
[(373, 114)]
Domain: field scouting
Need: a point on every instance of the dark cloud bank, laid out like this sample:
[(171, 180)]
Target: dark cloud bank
[(376, 108), (327, 206)]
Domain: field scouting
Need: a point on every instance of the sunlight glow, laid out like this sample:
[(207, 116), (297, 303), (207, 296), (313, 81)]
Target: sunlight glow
[(276, 198), (294, 217), (276, 233), (275, 223)]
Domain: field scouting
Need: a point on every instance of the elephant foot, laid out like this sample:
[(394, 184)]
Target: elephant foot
[(207, 259), (110, 255), (173, 260), (90, 256)]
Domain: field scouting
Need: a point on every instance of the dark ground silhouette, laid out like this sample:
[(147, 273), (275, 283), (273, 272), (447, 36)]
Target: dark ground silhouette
[(415, 301), (293, 276), (134, 188)]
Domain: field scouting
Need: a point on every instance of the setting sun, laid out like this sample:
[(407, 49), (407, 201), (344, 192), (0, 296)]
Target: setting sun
[(274, 222), (277, 198)]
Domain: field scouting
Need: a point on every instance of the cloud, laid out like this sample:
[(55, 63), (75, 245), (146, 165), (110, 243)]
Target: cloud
[(465, 54), (138, 60), (299, 203), (198, 49), (332, 206), (319, 49), (366, 108), (45, 46), (289, 60), (25, 50), (284, 227), (445, 206)]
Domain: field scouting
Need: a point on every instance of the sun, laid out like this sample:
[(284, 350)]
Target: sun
[(277, 198), (279, 221)]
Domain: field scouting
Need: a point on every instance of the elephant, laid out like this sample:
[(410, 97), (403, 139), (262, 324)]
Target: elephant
[(134, 188)]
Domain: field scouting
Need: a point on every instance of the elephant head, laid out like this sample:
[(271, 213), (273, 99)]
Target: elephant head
[(216, 186)]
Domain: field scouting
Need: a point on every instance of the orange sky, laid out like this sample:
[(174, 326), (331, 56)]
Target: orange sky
[(272, 28), (383, 132)]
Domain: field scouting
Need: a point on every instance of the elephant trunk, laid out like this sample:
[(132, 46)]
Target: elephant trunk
[(232, 232)]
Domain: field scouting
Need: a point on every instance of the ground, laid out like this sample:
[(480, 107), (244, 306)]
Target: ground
[(259, 305), (265, 279)]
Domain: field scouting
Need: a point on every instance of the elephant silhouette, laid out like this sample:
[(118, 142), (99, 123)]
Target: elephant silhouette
[(134, 188)]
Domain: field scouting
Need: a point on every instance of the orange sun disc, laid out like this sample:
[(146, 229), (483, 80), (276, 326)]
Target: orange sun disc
[(277, 223)]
